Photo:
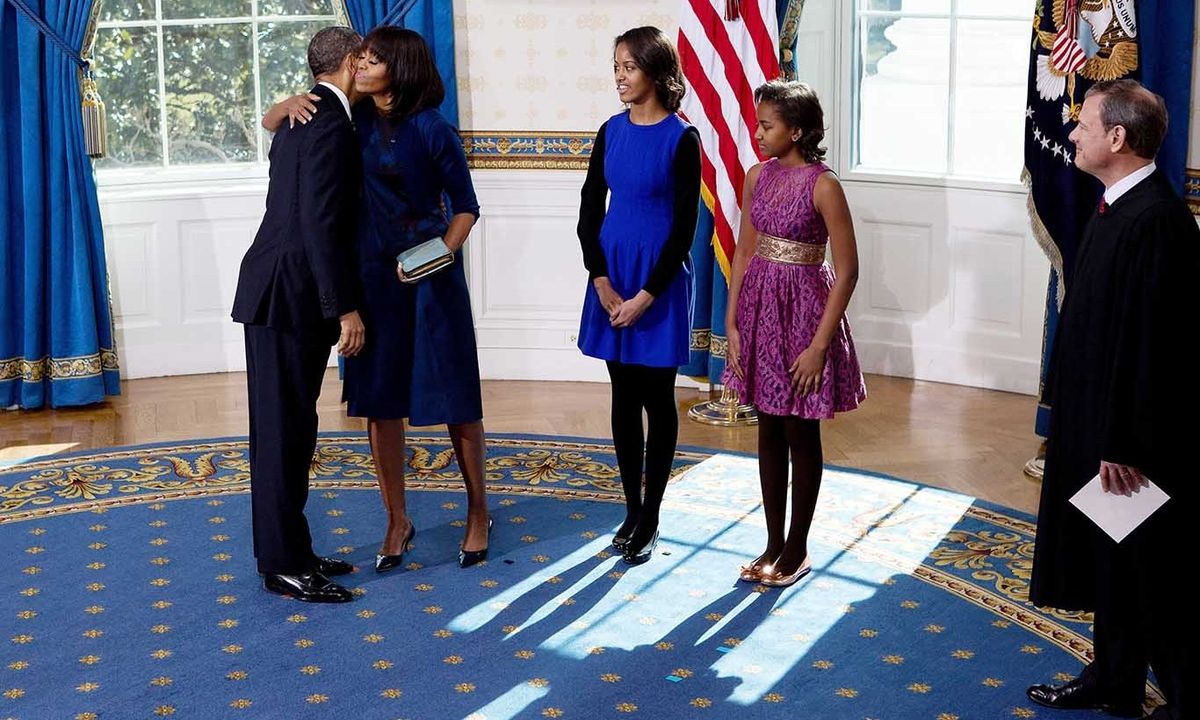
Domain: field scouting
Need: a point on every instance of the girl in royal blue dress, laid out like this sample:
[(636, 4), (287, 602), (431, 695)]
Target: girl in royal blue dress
[(636, 311)]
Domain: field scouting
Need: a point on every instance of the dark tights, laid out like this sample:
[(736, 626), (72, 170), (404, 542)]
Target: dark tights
[(634, 388), (779, 437)]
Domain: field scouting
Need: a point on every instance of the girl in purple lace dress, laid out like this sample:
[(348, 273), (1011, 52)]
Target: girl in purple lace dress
[(790, 352)]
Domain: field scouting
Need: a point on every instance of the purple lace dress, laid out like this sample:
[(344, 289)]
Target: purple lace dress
[(780, 306)]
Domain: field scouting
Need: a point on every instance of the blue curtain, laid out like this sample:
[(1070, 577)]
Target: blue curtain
[(56, 343), (434, 19)]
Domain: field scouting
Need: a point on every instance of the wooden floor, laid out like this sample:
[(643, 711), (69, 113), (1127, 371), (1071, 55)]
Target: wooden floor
[(964, 439)]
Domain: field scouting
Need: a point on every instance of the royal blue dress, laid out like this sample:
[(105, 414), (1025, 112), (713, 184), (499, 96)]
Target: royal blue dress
[(420, 360), (642, 240)]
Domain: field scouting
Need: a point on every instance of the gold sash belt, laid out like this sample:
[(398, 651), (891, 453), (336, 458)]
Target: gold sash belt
[(790, 251)]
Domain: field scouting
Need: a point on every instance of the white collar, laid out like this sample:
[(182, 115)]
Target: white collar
[(340, 95), (1113, 192)]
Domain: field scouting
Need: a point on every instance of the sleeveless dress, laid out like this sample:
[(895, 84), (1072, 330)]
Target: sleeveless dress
[(638, 162), (780, 305)]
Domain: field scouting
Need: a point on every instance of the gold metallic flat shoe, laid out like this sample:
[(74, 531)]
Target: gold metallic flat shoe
[(774, 579), (751, 573)]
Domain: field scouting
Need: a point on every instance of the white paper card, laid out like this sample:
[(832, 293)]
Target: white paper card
[(1118, 515)]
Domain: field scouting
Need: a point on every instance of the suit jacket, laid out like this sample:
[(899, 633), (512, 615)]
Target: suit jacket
[(301, 273)]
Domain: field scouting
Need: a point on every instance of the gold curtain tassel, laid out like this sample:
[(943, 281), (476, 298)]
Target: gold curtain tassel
[(95, 125)]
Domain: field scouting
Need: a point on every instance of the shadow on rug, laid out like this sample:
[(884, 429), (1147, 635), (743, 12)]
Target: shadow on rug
[(132, 594)]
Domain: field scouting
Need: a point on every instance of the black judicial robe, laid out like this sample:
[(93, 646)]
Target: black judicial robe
[(1122, 388)]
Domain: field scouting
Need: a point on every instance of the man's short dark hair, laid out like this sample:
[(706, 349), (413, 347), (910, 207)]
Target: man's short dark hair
[(329, 48), (1141, 112)]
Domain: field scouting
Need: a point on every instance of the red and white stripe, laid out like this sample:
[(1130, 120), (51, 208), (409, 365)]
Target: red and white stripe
[(1066, 55), (724, 60)]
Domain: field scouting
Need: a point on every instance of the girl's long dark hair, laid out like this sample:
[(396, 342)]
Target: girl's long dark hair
[(657, 57)]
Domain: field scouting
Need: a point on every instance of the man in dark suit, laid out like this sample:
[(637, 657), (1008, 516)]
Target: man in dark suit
[(298, 293), (1118, 381)]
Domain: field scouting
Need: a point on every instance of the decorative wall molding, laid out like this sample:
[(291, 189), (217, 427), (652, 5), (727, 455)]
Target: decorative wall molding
[(527, 149)]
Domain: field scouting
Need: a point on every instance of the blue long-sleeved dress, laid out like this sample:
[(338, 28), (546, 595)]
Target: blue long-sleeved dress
[(420, 360)]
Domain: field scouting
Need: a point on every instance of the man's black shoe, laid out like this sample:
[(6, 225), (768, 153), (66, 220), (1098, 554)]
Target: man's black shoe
[(309, 587), (330, 567), (1080, 695)]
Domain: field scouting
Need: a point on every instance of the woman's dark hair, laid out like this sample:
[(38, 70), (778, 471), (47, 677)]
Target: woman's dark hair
[(657, 57), (416, 84), (800, 108)]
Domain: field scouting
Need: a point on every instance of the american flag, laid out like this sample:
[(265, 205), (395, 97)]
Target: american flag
[(1067, 55), (727, 48)]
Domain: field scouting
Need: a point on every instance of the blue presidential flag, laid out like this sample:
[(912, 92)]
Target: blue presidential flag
[(1077, 43)]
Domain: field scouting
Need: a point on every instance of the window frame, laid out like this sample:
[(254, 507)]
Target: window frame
[(201, 173), (850, 21)]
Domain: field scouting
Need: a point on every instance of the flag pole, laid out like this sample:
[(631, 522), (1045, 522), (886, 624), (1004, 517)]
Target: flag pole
[(728, 411)]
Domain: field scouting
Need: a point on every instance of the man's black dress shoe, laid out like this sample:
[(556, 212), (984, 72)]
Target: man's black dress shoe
[(1080, 695), (309, 587), (329, 567)]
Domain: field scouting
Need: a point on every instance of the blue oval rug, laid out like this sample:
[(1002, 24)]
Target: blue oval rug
[(131, 593)]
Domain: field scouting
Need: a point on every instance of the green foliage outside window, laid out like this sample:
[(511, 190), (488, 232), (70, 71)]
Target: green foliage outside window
[(204, 102)]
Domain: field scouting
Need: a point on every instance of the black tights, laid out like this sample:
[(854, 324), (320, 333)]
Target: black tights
[(779, 437), (634, 388)]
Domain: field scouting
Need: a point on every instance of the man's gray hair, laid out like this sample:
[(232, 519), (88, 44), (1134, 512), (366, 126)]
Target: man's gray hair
[(1141, 112), (329, 48)]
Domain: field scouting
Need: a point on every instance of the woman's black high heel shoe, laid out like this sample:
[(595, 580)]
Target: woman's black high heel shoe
[(467, 558), (638, 556), (383, 563), (619, 541)]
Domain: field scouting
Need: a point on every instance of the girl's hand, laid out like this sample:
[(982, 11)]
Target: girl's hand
[(300, 108), (630, 311), (609, 299), (733, 351), (806, 371)]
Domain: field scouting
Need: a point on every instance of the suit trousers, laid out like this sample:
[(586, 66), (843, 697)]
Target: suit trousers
[(284, 374)]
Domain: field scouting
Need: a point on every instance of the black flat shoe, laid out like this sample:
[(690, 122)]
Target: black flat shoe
[(310, 587), (330, 567), (383, 563), (467, 558), (639, 556), (1080, 695)]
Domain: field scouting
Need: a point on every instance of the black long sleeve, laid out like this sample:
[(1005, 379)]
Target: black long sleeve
[(591, 210), (686, 171)]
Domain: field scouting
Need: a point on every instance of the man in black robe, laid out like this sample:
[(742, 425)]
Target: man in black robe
[(1119, 381)]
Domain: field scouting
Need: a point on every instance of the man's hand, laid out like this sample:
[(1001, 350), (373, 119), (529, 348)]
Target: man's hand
[(1121, 479), (353, 335)]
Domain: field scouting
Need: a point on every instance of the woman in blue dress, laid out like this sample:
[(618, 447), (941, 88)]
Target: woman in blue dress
[(420, 360), (636, 312)]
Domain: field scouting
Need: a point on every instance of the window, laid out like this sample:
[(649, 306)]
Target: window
[(940, 87), (186, 81)]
